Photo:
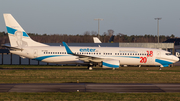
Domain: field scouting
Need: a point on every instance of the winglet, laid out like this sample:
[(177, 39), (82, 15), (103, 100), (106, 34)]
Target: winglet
[(67, 48)]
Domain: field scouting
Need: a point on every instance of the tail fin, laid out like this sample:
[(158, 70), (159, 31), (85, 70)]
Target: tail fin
[(17, 36), (96, 40), (111, 40)]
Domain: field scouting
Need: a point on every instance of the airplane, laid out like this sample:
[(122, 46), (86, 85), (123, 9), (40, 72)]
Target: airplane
[(96, 39), (107, 57)]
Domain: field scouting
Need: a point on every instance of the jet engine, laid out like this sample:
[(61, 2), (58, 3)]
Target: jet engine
[(110, 64)]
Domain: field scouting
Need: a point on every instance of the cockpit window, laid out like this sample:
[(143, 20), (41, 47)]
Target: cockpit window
[(168, 53)]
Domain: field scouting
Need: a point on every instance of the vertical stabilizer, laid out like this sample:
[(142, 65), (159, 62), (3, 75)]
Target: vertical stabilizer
[(111, 40), (96, 40), (17, 36)]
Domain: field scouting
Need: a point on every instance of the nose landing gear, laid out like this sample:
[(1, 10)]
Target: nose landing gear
[(160, 68)]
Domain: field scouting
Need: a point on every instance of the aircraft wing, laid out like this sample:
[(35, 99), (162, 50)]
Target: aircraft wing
[(84, 58)]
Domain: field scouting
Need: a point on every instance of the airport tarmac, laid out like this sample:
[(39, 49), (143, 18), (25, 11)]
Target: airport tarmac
[(89, 87)]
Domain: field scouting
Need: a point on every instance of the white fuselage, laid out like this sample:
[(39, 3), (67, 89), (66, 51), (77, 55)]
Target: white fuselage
[(126, 56)]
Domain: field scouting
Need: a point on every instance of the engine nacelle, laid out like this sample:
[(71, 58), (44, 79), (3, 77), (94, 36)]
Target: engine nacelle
[(110, 64)]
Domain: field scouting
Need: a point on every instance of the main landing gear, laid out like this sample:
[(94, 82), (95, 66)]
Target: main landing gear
[(160, 68), (90, 66)]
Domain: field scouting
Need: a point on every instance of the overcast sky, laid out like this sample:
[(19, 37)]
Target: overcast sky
[(131, 17)]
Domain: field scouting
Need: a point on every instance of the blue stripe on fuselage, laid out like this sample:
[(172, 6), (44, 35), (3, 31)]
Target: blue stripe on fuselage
[(45, 57), (163, 62)]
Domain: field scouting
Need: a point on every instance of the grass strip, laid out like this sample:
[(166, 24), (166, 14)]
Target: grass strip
[(122, 75)]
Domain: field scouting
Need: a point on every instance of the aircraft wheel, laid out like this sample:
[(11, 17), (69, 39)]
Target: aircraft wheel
[(160, 68), (90, 68)]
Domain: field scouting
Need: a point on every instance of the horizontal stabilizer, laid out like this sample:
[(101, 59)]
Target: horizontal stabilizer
[(11, 48)]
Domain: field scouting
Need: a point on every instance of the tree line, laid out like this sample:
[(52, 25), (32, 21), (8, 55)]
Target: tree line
[(87, 37)]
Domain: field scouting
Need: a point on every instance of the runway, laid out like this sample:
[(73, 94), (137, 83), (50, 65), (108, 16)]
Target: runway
[(89, 87)]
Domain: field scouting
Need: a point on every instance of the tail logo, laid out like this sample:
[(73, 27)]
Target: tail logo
[(20, 43)]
